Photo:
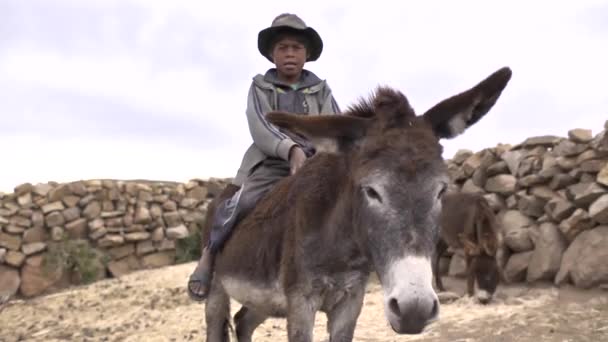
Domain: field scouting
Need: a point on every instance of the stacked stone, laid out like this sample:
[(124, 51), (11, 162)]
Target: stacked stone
[(551, 196), (133, 224)]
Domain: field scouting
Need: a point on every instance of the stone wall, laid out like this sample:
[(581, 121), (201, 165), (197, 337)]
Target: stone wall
[(53, 235), (550, 194), (551, 197)]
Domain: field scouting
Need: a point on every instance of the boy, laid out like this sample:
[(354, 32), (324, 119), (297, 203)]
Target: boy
[(288, 43)]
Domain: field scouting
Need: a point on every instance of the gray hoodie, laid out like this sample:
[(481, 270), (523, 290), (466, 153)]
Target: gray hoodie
[(312, 96)]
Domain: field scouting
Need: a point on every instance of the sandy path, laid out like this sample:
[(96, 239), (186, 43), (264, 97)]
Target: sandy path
[(153, 306)]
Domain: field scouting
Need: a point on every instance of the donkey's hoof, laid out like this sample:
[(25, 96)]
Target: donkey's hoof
[(198, 288)]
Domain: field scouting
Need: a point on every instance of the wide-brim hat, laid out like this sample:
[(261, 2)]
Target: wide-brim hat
[(287, 22)]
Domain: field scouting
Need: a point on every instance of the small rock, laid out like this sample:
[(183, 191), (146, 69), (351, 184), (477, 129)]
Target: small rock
[(53, 206), (531, 180), (515, 270), (25, 199), (122, 251), (188, 203), (9, 241), (71, 201), (502, 184), (198, 193), (142, 215), (559, 208), (159, 259), (111, 240), (71, 214), (566, 163), (79, 188), (37, 219), (165, 245), (14, 258), (598, 211), (176, 233), (568, 148), (33, 248), (583, 194), (172, 218), (602, 176), (137, 236), (462, 155), (497, 168), (77, 229), (516, 227), (144, 247), (470, 187), (35, 280), (546, 258), (561, 181), (9, 281), (42, 189), (543, 192), (471, 164), (513, 159), (584, 260), (545, 140), (593, 166), (580, 135), (92, 210), (124, 266), (587, 155), (23, 188), (575, 224)]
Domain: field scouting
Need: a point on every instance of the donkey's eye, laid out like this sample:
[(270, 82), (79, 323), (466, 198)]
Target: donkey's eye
[(442, 190), (372, 194)]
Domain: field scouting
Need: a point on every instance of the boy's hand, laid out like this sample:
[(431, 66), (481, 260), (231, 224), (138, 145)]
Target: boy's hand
[(297, 157)]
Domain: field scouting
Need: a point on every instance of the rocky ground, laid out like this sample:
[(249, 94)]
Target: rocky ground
[(153, 306)]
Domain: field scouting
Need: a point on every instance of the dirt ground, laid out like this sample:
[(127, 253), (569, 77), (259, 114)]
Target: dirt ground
[(153, 306)]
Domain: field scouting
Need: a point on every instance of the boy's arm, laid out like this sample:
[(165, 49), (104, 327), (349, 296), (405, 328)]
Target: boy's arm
[(329, 104), (265, 136)]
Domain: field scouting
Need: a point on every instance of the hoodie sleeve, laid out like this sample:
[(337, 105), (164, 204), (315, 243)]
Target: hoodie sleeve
[(328, 103), (265, 136)]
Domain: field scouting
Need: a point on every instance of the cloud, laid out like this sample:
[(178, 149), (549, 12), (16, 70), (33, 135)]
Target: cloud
[(171, 78)]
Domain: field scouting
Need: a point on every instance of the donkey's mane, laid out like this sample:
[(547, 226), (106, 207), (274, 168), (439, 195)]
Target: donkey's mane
[(382, 98)]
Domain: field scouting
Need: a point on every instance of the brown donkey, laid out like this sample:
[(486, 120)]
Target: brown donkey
[(468, 222), (369, 200)]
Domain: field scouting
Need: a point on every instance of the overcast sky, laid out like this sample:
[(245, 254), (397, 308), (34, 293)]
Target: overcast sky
[(157, 89)]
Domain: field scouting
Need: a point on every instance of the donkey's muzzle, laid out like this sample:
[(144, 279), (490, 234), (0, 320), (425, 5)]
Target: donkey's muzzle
[(410, 301), (412, 316)]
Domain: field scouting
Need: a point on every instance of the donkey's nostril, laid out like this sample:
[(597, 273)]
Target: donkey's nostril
[(393, 305), (435, 309)]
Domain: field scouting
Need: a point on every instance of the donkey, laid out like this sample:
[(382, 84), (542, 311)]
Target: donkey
[(468, 222), (368, 200)]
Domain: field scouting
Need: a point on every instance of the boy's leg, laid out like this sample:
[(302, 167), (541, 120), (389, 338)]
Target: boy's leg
[(228, 214)]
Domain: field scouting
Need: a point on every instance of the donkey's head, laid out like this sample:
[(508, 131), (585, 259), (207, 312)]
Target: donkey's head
[(396, 182)]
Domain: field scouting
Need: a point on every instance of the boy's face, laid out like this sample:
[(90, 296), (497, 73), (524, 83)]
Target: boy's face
[(289, 56)]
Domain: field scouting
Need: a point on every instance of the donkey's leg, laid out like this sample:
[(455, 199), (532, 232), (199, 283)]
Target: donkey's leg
[(470, 276), (301, 313), (342, 319), (246, 321), (217, 313), (440, 249)]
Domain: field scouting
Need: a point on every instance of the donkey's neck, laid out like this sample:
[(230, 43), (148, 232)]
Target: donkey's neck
[(324, 216)]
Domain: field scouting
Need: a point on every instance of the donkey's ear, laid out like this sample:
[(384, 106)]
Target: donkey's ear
[(452, 116), (328, 133)]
